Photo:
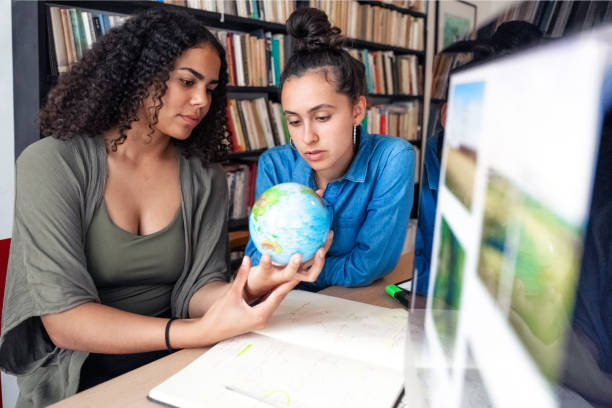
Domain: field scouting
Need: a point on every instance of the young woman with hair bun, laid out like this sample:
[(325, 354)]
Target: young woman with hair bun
[(367, 180)]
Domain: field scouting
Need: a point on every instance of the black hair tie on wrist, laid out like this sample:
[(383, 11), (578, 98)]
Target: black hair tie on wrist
[(170, 349)]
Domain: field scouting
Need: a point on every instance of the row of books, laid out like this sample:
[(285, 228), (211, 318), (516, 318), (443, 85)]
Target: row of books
[(375, 24), (401, 120), (74, 31), (390, 74), (240, 179), (276, 11), (256, 124), (253, 59), (357, 20), (267, 55), (256, 58)]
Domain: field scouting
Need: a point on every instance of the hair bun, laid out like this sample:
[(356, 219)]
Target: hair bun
[(311, 30)]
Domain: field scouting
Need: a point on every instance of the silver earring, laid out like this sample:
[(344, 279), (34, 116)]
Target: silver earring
[(354, 135)]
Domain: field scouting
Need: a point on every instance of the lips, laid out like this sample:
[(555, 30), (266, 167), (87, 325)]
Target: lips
[(191, 120), (314, 155)]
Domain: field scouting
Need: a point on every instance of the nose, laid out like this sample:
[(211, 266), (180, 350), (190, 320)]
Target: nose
[(310, 135), (200, 98)]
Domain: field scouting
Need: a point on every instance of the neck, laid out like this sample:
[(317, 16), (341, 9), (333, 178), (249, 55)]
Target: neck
[(324, 177), (140, 144)]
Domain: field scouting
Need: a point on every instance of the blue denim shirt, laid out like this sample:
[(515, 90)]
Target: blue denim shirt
[(427, 215), (371, 206)]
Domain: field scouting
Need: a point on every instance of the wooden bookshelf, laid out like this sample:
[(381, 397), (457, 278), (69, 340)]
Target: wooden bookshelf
[(47, 77), (412, 12)]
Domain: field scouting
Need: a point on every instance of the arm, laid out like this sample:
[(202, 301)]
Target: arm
[(381, 236), (102, 329)]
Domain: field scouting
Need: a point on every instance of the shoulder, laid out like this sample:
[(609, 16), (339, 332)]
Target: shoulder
[(203, 174), (280, 160), (387, 148), (50, 156), (284, 154)]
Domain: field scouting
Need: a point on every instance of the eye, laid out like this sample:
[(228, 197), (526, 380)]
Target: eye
[(208, 90), (293, 122), (187, 82), (322, 118)]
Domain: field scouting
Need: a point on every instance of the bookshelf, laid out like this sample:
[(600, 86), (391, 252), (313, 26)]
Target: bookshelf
[(45, 70)]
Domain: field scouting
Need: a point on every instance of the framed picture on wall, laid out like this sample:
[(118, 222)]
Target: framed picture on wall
[(454, 20)]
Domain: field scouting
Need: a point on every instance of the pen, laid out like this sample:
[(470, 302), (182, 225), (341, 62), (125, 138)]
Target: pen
[(253, 396), (399, 294)]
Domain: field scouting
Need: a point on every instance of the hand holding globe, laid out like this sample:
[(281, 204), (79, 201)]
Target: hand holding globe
[(289, 225)]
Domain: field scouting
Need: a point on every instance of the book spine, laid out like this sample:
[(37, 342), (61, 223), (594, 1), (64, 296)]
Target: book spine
[(82, 34), (84, 25), (76, 36), (68, 37), (59, 44), (97, 25)]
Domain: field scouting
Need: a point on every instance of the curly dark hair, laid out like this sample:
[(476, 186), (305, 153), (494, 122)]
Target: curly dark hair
[(107, 87)]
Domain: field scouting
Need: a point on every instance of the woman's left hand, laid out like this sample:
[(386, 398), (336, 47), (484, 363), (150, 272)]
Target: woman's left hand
[(266, 276)]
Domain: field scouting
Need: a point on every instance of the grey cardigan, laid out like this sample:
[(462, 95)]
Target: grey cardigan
[(59, 184)]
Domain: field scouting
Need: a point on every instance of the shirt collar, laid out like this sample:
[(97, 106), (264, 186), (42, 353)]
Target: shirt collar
[(359, 167), (356, 172)]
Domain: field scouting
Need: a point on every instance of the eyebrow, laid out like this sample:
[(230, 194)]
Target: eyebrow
[(194, 72), (316, 108), (199, 76)]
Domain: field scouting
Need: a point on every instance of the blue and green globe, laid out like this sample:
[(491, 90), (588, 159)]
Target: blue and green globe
[(287, 219)]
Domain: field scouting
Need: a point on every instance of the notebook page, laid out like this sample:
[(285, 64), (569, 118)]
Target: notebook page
[(372, 334), (270, 372)]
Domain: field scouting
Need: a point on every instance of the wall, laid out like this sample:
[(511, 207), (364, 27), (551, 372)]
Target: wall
[(487, 10), (7, 163)]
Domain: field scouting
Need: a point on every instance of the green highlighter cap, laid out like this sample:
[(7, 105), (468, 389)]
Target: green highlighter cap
[(393, 289)]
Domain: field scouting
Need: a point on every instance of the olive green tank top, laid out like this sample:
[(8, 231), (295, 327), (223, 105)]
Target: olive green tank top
[(135, 273)]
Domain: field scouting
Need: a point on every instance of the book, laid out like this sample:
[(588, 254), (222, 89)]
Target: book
[(68, 37), (76, 36), (61, 53), (316, 351)]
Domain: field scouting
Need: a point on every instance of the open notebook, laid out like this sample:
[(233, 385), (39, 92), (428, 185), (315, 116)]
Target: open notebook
[(317, 351)]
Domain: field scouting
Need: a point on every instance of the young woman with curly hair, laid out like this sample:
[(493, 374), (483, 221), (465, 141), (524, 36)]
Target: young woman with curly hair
[(120, 218)]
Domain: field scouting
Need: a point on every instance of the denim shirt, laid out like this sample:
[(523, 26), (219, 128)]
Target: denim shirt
[(427, 215), (371, 206)]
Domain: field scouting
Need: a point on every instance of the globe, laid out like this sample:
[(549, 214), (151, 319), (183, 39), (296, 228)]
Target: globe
[(287, 219)]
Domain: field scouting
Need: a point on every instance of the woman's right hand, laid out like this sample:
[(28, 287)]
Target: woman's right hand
[(231, 315)]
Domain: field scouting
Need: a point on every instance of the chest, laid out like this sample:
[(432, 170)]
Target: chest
[(349, 204), (142, 200)]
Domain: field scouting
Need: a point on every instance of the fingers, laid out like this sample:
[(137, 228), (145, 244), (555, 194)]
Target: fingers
[(274, 298), (312, 274), (242, 274), (292, 268)]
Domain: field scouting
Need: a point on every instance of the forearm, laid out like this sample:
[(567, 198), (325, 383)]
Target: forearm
[(98, 328), (351, 270), (205, 296)]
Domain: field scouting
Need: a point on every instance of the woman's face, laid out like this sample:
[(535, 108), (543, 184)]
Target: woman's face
[(321, 122), (189, 91)]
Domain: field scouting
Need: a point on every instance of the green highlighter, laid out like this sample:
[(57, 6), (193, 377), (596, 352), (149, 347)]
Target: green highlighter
[(397, 292)]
